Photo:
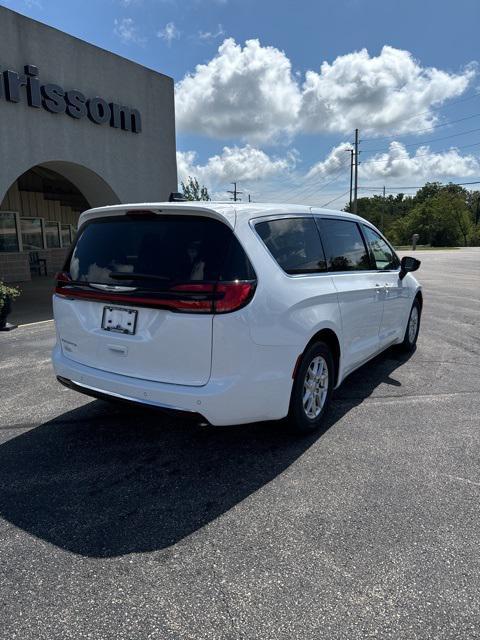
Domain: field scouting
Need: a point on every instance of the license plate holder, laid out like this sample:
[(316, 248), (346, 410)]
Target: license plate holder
[(119, 320)]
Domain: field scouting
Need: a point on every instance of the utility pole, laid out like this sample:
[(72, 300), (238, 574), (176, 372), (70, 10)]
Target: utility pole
[(381, 223), (355, 189), (351, 178), (235, 193)]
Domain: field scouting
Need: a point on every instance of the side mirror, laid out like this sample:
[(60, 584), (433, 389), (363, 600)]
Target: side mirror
[(408, 264)]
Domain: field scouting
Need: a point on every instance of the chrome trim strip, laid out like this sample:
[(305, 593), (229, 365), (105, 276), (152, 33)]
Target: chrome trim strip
[(112, 287)]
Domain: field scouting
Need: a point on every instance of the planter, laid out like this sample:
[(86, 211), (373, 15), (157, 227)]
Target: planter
[(4, 312)]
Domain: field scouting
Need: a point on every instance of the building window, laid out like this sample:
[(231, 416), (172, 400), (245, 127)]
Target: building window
[(52, 234), (66, 235), (32, 235), (8, 232)]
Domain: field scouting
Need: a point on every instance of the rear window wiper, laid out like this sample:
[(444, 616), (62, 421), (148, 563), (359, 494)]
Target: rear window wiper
[(123, 275)]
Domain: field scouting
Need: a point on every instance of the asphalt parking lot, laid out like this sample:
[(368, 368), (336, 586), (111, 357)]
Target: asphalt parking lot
[(121, 524)]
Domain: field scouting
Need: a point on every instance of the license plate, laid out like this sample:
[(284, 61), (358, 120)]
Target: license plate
[(120, 320)]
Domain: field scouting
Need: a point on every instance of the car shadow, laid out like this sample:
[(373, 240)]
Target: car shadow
[(103, 480)]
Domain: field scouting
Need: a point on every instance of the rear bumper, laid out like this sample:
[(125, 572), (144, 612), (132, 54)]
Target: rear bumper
[(226, 401), (102, 395)]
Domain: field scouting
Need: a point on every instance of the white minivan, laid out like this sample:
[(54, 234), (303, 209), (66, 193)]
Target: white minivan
[(236, 312)]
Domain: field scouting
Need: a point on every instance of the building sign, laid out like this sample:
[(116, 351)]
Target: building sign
[(15, 86)]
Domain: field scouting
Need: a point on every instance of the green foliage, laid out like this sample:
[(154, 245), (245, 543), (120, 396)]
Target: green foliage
[(192, 190), (474, 237), (12, 292), (442, 215)]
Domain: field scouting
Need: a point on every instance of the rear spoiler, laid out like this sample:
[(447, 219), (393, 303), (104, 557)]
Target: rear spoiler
[(224, 213)]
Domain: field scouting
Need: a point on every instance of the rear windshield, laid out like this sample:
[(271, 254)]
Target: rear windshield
[(158, 250)]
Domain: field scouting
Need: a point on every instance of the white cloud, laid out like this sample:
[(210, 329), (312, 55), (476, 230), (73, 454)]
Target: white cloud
[(169, 33), (250, 92), (208, 36), (376, 94), (278, 179), (241, 164), (339, 158), (424, 164), (244, 92), (127, 31)]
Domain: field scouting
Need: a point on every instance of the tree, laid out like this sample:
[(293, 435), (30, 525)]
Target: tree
[(442, 215), (384, 212), (440, 220), (192, 190)]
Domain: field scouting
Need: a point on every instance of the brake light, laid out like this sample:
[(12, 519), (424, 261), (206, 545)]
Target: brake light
[(235, 295), (222, 297), (202, 303), (140, 213)]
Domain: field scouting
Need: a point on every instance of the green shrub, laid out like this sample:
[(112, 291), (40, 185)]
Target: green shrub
[(5, 291)]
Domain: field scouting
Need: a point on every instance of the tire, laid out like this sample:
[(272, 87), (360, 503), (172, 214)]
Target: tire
[(413, 327), (307, 412)]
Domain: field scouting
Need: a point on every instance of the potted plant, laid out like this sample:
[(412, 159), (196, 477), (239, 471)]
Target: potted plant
[(7, 294)]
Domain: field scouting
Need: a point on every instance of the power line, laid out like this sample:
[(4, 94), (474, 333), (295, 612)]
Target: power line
[(420, 155), (335, 177), (434, 108), (422, 142), (446, 184), (411, 133), (333, 199), (313, 187)]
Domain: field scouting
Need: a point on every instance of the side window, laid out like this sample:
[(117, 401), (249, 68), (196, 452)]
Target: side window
[(294, 243), (344, 245), (385, 257)]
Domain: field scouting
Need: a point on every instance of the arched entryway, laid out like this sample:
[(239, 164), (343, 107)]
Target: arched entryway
[(39, 217)]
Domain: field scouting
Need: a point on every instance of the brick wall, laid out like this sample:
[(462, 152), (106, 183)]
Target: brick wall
[(55, 259), (15, 267)]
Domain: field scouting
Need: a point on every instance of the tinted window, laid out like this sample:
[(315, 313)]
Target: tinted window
[(157, 250), (383, 254), (294, 243), (344, 245)]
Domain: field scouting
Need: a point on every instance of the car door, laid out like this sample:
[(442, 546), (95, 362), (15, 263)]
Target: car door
[(395, 295), (360, 295)]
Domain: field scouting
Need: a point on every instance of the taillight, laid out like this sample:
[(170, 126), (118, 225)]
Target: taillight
[(232, 296), (202, 303), (61, 279), (221, 297)]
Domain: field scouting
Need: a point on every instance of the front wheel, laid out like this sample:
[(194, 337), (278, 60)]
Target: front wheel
[(413, 327), (312, 389)]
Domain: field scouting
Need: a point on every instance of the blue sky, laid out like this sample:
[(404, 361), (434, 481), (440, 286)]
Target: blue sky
[(269, 115)]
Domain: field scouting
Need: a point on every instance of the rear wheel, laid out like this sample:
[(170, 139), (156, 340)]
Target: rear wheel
[(413, 327), (312, 389)]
